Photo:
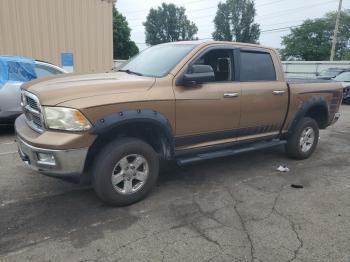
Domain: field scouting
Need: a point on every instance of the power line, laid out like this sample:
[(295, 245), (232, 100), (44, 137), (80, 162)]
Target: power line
[(270, 3), (280, 29), (145, 10), (298, 8), (197, 1), (274, 14)]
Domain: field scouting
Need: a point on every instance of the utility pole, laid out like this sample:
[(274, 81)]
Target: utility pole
[(334, 42)]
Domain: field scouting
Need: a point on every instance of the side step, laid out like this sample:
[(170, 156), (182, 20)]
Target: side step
[(229, 152)]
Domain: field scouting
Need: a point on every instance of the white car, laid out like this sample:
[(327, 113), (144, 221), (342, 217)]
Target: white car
[(14, 71), (344, 79)]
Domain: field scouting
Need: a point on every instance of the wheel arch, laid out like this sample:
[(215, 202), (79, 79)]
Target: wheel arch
[(147, 125), (315, 108)]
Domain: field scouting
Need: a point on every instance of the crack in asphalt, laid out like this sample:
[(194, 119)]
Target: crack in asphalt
[(201, 234), (274, 209), (244, 227), (292, 225), (211, 214)]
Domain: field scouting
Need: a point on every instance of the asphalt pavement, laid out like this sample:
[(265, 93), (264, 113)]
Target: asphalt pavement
[(231, 209)]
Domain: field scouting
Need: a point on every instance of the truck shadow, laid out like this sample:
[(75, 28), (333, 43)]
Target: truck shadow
[(7, 129)]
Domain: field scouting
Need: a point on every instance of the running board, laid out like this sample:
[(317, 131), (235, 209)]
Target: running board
[(229, 152)]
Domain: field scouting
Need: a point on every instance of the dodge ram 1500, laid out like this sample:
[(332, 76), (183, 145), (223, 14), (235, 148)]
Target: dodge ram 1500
[(183, 101)]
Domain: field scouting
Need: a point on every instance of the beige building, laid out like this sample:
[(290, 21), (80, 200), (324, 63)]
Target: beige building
[(62, 32)]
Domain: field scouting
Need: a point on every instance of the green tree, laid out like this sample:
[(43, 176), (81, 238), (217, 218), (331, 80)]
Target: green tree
[(123, 47), (168, 23), (346, 56), (312, 40), (234, 21)]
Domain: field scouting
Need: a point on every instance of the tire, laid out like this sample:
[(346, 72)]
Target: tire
[(301, 149), (346, 101), (117, 161)]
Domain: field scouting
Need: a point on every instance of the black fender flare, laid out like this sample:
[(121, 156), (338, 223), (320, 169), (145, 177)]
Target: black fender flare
[(306, 106), (139, 116)]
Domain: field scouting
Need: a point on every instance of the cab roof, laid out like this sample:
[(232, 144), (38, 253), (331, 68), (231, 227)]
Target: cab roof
[(211, 42)]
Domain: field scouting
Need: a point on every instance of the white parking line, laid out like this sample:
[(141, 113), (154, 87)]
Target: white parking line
[(8, 153), (8, 143)]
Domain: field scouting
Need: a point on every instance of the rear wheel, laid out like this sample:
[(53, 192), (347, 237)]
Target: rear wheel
[(125, 171), (303, 141)]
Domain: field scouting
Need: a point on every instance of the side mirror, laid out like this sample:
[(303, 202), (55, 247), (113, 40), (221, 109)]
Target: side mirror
[(198, 74)]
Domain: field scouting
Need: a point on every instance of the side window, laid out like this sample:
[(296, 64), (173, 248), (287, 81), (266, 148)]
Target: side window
[(221, 60), (45, 71), (256, 66)]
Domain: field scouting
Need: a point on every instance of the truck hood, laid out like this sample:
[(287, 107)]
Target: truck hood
[(56, 90)]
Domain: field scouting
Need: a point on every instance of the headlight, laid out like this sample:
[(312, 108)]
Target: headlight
[(63, 118)]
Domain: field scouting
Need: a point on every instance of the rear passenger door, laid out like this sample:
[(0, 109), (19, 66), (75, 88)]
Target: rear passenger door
[(264, 100)]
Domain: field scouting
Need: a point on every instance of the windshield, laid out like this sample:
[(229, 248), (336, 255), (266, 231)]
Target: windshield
[(343, 77), (329, 73), (157, 61)]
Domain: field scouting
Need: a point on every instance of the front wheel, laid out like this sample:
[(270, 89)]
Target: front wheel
[(125, 171), (303, 141)]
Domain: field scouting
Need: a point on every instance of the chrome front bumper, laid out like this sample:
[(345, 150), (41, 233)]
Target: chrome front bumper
[(66, 162)]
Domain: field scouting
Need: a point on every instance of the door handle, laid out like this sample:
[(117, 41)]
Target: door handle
[(231, 95), (278, 92)]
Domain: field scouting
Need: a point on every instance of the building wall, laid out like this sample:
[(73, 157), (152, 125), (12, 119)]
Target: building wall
[(43, 29)]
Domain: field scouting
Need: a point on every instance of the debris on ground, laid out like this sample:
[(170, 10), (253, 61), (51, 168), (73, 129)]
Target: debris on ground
[(296, 186), (283, 169)]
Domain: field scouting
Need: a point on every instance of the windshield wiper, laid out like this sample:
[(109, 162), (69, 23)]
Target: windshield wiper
[(130, 72)]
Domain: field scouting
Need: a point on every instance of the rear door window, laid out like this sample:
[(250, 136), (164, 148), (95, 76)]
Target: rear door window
[(256, 66)]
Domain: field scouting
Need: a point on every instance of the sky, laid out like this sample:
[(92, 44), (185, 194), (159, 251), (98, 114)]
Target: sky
[(274, 16)]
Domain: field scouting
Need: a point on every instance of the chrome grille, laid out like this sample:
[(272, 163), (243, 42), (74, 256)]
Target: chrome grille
[(32, 103), (32, 110)]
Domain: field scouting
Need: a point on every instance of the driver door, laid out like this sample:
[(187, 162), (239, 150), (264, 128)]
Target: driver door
[(209, 113)]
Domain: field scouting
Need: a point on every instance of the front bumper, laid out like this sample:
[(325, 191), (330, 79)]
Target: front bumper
[(65, 162), (68, 150)]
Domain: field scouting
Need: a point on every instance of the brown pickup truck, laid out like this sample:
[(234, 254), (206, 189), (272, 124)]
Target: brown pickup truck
[(184, 101)]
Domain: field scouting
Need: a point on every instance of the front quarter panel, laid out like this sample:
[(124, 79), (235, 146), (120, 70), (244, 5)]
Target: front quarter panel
[(159, 98)]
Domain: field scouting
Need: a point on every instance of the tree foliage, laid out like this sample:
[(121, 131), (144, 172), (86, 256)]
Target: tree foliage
[(312, 40), (168, 23), (123, 47), (234, 21)]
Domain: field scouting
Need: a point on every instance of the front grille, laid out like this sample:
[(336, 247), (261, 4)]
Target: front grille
[(32, 110), (32, 103)]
